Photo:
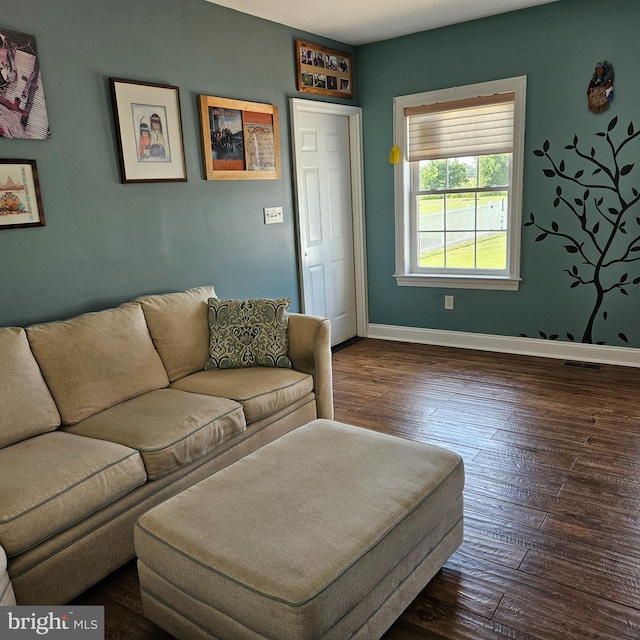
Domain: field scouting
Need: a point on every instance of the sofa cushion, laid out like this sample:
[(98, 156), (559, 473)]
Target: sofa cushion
[(178, 326), (248, 333), (96, 360), (261, 391), (56, 479), (27, 408), (169, 427)]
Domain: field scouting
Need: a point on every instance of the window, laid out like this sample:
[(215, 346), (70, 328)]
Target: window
[(459, 186)]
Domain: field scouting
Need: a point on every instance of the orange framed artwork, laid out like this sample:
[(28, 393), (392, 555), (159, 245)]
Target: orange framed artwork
[(324, 71), (240, 139)]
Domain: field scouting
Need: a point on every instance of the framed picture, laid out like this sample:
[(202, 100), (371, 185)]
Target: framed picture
[(23, 110), (240, 140), (20, 204), (325, 71), (148, 131)]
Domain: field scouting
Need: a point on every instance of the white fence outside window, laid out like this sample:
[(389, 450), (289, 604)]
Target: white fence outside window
[(486, 218)]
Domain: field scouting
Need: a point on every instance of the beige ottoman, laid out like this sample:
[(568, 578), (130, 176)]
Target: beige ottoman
[(328, 532)]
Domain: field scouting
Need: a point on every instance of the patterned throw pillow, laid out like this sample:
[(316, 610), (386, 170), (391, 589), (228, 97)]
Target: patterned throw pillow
[(248, 333)]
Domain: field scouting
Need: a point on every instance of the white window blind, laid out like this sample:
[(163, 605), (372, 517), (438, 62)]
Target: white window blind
[(470, 127)]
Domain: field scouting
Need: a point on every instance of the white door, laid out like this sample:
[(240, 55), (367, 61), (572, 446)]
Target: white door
[(323, 164)]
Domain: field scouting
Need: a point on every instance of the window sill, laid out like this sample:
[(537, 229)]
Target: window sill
[(493, 283)]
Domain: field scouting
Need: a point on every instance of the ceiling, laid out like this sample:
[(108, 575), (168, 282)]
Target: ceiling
[(361, 21)]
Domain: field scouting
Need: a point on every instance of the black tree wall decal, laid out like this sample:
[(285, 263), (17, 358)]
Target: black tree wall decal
[(597, 232)]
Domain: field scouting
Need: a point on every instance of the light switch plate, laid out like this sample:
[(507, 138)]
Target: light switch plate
[(273, 215)]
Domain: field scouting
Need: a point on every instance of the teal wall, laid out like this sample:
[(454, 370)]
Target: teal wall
[(105, 242), (557, 47)]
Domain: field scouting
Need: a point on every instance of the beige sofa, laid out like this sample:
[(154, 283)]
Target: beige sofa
[(109, 413)]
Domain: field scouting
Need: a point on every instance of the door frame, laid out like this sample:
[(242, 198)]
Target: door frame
[(354, 115)]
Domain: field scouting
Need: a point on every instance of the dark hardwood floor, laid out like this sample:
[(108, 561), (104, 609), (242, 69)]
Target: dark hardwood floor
[(552, 497)]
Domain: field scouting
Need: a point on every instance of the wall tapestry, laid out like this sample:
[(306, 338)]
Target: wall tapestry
[(598, 220), (23, 111)]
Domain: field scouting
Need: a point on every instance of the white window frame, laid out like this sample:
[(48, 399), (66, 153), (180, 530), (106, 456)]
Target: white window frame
[(462, 279)]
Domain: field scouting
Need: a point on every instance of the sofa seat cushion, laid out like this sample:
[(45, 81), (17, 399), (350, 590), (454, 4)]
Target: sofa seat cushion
[(168, 427), (27, 408), (96, 360), (262, 391), (178, 326), (54, 480)]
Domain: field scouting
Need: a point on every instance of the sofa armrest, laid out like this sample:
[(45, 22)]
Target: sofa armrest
[(310, 352), (7, 597)]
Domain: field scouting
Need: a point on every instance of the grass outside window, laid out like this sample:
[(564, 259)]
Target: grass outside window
[(491, 253)]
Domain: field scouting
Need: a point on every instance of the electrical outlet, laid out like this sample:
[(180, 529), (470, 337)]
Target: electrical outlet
[(448, 302), (273, 215)]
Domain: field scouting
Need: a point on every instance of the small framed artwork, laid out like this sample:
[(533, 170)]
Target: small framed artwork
[(20, 203), (325, 71), (148, 131), (240, 139)]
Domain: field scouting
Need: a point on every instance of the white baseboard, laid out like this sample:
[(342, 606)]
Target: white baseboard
[(622, 356)]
